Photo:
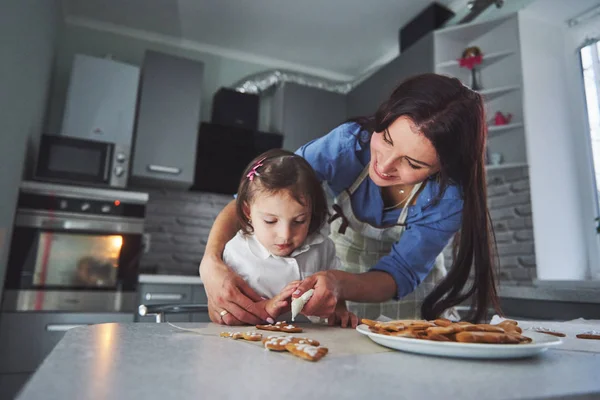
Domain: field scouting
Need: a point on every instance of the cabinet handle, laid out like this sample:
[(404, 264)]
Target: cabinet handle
[(62, 327), (164, 169), (164, 296)]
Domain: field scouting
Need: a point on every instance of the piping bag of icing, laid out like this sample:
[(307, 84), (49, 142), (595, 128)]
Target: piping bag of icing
[(299, 302)]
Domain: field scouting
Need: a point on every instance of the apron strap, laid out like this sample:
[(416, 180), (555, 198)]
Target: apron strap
[(358, 181), (339, 214), (404, 212)]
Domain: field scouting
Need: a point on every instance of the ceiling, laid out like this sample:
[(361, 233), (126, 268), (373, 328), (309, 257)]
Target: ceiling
[(335, 39), (332, 38)]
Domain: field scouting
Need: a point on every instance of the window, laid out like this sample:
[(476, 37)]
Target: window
[(591, 77), (590, 63)]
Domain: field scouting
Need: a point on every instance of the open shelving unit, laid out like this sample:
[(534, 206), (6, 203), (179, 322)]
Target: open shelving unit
[(500, 76)]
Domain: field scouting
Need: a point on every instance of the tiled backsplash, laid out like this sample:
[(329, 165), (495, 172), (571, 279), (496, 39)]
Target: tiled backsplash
[(179, 223), (510, 210)]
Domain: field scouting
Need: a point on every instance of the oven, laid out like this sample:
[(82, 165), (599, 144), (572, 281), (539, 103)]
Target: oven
[(75, 249)]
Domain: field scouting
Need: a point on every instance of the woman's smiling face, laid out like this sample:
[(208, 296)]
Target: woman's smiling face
[(401, 155)]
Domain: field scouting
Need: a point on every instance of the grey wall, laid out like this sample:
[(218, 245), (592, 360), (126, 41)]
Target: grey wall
[(28, 30), (510, 209), (366, 97), (307, 113), (178, 224), (218, 71)]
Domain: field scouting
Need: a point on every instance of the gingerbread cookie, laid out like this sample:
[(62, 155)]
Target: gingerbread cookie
[(486, 337), (589, 335), (547, 331), (443, 330), (251, 336), (281, 326), (306, 351), (277, 343)]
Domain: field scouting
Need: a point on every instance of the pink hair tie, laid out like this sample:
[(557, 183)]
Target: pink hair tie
[(253, 171)]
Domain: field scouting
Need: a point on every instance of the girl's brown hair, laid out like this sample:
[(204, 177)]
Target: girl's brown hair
[(277, 170), (452, 117)]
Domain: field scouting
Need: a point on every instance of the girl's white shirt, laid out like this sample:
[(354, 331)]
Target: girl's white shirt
[(268, 274)]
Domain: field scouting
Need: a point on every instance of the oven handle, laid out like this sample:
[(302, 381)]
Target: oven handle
[(84, 223), (62, 327)]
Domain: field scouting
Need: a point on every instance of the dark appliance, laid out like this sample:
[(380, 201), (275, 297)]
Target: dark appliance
[(71, 160), (430, 19), (75, 249), (224, 152), (233, 108)]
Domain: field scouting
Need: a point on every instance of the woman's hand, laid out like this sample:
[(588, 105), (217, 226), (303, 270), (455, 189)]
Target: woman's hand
[(230, 300), (325, 298)]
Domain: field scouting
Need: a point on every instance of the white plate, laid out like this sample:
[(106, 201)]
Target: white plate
[(541, 342)]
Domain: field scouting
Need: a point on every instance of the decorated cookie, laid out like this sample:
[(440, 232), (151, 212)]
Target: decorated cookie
[(281, 326), (306, 351)]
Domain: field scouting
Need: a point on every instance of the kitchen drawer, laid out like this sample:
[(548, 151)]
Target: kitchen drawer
[(165, 294), (11, 384), (199, 297), (27, 338), (151, 293)]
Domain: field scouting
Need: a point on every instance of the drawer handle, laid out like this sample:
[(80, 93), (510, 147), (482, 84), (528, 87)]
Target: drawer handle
[(164, 169), (164, 296), (62, 327)]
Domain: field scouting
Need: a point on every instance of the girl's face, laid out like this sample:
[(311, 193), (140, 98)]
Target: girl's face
[(280, 223), (401, 155)]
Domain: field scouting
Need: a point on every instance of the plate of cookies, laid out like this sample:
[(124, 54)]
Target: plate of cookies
[(445, 338)]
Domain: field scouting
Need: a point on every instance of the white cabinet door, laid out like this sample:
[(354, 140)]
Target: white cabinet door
[(101, 100)]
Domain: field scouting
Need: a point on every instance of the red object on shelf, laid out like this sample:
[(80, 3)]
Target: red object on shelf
[(501, 119), (471, 61)]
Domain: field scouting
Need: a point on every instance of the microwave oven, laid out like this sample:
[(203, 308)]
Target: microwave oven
[(73, 160)]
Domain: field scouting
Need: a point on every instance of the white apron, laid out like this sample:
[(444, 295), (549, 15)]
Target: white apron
[(360, 245)]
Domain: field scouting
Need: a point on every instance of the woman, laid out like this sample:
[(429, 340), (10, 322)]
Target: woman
[(405, 181)]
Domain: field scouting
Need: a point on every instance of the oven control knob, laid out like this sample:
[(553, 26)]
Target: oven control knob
[(119, 170), (85, 206), (105, 208), (121, 157), (63, 204)]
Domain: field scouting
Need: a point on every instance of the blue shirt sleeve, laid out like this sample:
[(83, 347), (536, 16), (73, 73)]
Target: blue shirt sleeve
[(413, 256)]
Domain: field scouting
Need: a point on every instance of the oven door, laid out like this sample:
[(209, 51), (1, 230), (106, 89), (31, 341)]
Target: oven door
[(64, 261)]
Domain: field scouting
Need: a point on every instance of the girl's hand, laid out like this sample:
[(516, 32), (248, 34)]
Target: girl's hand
[(342, 316), (280, 303), (324, 299)]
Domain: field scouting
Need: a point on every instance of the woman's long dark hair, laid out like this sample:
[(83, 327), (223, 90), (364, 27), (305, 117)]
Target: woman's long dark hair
[(452, 117)]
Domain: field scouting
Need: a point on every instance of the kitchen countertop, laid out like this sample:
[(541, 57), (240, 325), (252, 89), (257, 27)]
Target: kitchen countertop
[(170, 279), (158, 361), (559, 291)]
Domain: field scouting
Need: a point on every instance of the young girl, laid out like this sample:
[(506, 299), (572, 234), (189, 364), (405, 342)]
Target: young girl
[(283, 239)]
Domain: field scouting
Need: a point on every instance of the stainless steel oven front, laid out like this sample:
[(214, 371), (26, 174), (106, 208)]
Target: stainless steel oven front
[(75, 249)]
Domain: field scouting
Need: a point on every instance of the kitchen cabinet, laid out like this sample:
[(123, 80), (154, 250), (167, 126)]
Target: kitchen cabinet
[(173, 293), (168, 119), (101, 100), (26, 338), (10, 384), (365, 98), (304, 113)]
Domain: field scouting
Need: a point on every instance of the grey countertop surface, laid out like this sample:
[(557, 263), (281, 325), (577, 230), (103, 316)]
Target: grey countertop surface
[(159, 361)]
